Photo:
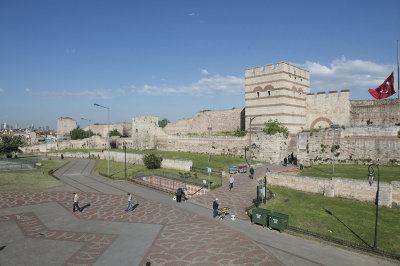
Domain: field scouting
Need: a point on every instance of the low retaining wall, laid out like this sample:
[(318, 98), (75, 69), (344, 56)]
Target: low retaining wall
[(174, 185), (389, 193), (133, 158)]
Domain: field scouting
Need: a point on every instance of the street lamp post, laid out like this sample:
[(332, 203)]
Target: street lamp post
[(89, 137), (108, 133), (334, 127), (209, 137), (371, 171), (125, 156)]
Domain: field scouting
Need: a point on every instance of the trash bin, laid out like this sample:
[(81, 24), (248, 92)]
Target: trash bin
[(260, 216), (278, 221)]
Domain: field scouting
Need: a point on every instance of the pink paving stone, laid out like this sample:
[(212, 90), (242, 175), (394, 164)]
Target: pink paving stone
[(197, 256)]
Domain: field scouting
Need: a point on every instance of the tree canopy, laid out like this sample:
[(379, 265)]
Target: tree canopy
[(163, 122), (10, 144), (115, 132), (273, 126), (79, 133)]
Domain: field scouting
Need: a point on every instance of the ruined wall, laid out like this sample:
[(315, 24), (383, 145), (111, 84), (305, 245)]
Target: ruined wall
[(322, 111), (145, 131), (124, 128), (219, 145), (340, 187), (355, 145), (380, 113), (64, 126), (133, 158), (218, 121)]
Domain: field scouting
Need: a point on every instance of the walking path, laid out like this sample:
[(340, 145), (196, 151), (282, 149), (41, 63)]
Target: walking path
[(39, 228)]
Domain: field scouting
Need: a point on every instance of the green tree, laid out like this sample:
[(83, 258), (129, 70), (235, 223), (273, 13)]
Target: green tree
[(152, 161), (163, 122), (79, 133), (10, 144), (115, 132), (273, 126)]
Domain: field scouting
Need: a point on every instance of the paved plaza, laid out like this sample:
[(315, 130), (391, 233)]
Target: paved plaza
[(39, 228)]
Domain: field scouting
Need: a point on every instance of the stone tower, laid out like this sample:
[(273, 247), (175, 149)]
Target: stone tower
[(276, 92), (64, 127)]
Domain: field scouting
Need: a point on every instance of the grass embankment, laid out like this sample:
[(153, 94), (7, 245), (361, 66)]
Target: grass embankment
[(31, 180), (386, 173), (200, 161), (345, 219)]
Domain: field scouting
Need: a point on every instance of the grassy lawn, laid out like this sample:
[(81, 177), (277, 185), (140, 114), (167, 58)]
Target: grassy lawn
[(117, 171), (217, 162), (31, 180), (349, 219), (386, 173)]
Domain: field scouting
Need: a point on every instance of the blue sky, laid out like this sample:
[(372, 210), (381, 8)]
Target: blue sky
[(172, 59)]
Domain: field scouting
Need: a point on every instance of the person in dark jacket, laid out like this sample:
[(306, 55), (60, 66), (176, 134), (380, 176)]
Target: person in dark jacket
[(215, 208), (251, 172), (179, 194)]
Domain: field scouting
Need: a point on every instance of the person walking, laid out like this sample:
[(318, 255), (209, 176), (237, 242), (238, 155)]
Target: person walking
[(215, 208), (251, 172), (76, 205), (130, 206), (231, 180)]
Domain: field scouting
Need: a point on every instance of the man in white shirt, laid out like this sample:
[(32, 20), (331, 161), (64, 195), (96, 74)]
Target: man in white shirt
[(231, 180), (130, 206), (76, 200)]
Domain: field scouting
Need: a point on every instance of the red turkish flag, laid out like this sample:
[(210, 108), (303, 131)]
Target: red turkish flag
[(386, 89)]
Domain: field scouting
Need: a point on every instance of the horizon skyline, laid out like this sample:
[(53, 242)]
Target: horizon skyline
[(173, 60)]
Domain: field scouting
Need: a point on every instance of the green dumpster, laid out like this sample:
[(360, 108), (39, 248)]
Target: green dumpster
[(260, 216), (278, 221)]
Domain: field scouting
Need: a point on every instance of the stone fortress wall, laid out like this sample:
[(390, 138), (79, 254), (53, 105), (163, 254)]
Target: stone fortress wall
[(280, 92), (208, 122), (324, 110), (383, 113), (124, 128)]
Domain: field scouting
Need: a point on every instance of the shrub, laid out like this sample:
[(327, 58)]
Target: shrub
[(115, 132), (273, 126), (240, 133), (152, 161)]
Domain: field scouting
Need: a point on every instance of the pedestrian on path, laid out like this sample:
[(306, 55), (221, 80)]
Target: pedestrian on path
[(76, 200), (215, 208), (130, 206), (231, 180)]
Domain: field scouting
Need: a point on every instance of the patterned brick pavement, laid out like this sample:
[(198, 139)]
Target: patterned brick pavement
[(95, 245), (186, 238), (238, 199)]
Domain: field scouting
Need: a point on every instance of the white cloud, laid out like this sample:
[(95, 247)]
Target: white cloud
[(28, 90), (91, 94), (1, 90), (204, 72), (194, 14), (211, 86), (343, 73)]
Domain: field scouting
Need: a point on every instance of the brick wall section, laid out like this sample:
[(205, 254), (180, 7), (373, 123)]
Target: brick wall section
[(389, 193)]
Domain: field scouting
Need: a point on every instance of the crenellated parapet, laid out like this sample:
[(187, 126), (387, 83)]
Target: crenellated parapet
[(326, 109), (277, 92), (292, 70)]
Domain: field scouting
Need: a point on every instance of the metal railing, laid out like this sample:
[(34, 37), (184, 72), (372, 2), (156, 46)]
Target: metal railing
[(16, 164)]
